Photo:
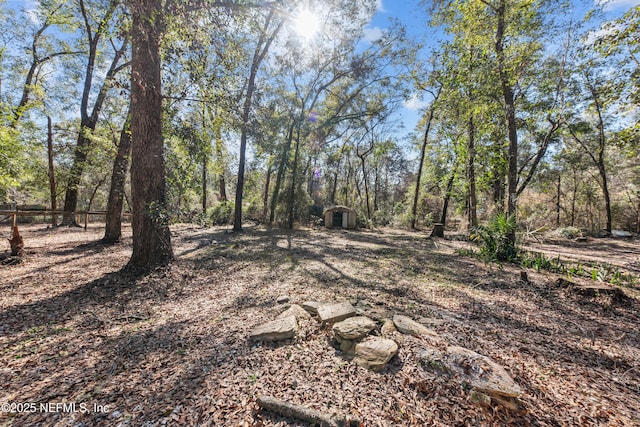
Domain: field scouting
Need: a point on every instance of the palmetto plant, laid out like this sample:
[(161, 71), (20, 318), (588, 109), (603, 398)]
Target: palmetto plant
[(495, 244)]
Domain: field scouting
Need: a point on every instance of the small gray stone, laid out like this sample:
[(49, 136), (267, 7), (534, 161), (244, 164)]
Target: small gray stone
[(332, 313), (408, 326), (374, 352), (276, 330), (354, 328)]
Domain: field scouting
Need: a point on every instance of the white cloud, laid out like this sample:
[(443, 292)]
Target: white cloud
[(415, 103), (31, 10), (606, 29), (609, 5), (380, 7), (372, 34)]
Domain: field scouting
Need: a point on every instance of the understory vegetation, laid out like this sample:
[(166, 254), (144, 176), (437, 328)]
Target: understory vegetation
[(525, 113)]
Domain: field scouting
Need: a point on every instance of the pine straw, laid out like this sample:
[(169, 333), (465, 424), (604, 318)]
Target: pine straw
[(170, 347)]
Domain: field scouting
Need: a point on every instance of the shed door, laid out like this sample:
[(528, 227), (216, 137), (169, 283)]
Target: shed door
[(338, 219), (345, 219)]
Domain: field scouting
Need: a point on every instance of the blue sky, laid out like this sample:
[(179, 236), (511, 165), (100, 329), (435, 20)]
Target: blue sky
[(414, 16)]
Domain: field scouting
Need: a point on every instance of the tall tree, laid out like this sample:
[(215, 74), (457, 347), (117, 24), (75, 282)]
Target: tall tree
[(268, 30), (89, 120), (151, 235)]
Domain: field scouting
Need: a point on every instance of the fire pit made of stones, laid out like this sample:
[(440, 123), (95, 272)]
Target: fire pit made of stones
[(360, 341)]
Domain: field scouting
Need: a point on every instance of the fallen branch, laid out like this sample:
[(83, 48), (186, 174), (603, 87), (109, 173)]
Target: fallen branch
[(303, 413)]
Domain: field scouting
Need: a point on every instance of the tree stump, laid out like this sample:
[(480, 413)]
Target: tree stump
[(438, 230), (16, 242)]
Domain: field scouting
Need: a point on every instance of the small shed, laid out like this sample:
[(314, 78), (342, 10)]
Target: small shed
[(340, 217)]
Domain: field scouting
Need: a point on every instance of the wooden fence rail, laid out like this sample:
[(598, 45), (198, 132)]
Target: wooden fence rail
[(78, 214)]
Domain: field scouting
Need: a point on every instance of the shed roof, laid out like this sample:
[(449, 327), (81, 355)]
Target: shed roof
[(339, 208)]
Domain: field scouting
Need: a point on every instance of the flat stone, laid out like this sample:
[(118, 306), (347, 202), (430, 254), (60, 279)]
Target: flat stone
[(332, 313), (296, 311), (374, 352), (480, 372), (354, 328), (276, 330), (430, 321), (409, 326), (312, 306), (282, 299)]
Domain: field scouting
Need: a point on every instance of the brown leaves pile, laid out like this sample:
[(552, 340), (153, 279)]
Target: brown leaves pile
[(170, 347)]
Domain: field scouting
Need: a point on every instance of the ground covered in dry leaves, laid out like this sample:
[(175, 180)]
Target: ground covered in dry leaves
[(170, 347)]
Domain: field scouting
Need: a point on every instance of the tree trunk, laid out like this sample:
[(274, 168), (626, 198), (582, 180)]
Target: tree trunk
[(265, 195), (471, 176), (222, 187), (573, 199), (88, 121), (294, 171), (416, 193), (281, 170), (447, 197), (113, 227), (80, 154), (151, 235), (510, 113), (259, 54), (204, 184), (52, 177), (558, 202), (366, 185)]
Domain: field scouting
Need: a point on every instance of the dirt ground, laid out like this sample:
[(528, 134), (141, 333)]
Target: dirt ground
[(86, 344)]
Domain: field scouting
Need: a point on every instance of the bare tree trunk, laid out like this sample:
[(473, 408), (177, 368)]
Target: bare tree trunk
[(113, 227), (151, 235), (52, 177)]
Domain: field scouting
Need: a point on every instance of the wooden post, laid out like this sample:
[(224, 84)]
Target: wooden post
[(86, 219), (13, 221)]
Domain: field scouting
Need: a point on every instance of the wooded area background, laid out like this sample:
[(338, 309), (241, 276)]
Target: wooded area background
[(229, 112)]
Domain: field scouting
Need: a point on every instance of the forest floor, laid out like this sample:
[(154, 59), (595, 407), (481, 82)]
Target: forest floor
[(170, 347)]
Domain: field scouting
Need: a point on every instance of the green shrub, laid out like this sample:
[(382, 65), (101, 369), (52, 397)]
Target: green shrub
[(222, 213), (495, 244), (570, 232)]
